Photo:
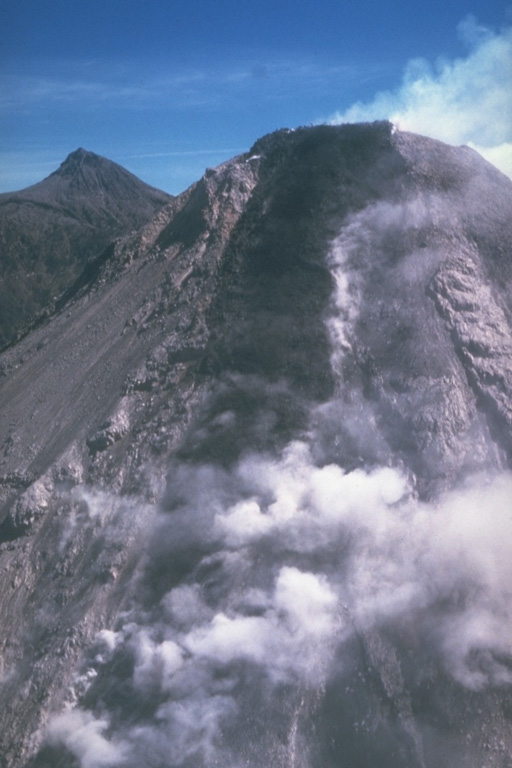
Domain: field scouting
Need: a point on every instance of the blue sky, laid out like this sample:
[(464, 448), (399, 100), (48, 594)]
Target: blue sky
[(168, 88)]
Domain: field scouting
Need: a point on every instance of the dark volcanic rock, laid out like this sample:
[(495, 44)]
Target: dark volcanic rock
[(50, 232), (320, 327)]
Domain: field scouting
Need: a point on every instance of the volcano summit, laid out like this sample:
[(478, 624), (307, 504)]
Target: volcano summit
[(255, 474)]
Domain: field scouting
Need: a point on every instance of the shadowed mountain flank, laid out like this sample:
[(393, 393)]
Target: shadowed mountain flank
[(255, 473), (51, 231)]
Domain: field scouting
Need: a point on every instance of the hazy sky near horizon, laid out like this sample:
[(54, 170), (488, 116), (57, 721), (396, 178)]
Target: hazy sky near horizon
[(167, 88)]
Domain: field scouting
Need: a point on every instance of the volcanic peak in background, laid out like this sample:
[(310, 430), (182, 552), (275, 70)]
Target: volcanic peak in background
[(50, 232)]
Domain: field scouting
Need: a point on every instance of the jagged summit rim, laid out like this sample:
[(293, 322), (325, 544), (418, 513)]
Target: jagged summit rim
[(80, 155)]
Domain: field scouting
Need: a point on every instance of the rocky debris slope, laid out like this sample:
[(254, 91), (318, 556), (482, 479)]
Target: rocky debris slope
[(112, 393), (332, 308), (50, 232)]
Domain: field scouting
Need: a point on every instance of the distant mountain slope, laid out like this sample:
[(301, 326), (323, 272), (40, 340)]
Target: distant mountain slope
[(255, 474), (51, 230)]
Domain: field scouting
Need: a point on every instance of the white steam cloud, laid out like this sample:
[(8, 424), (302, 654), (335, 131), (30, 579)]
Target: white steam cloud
[(297, 559), (83, 735), (464, 101)]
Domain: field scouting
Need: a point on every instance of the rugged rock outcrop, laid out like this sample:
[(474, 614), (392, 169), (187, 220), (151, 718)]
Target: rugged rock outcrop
[(254, 474), (53, 231)]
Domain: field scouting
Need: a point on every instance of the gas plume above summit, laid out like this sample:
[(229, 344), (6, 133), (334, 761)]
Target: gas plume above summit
[(466, 101)]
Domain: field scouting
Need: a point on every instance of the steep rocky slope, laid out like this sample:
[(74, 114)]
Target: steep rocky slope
[(255, 474), (51, 231)]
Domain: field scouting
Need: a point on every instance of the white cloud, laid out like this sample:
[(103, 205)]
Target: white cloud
[(83, 735), (500, 156), (464, 101), (109, 84), (273, 605)]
